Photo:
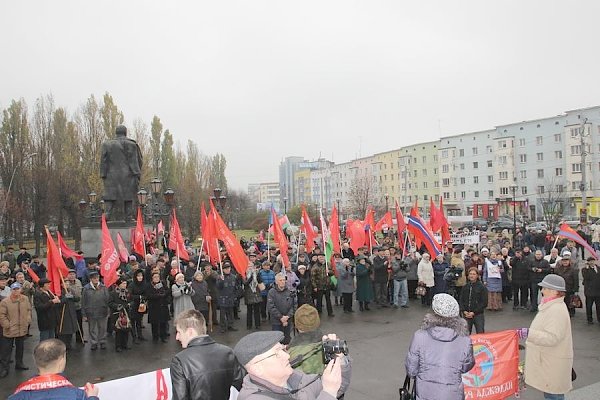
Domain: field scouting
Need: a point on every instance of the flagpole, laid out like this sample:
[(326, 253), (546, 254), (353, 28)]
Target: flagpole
[(268, 245), (298, 247), (555, 242), (220, 261), (199, 255), (370, 241)]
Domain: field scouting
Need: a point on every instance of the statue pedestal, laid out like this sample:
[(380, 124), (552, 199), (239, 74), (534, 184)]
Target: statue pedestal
[(91, 236)]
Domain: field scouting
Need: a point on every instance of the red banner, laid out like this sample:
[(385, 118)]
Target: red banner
[(109, 261), (123, 253), (495, 374)]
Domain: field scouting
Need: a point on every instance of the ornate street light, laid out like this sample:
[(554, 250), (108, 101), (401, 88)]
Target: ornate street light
[(169, 196), (156, 185), (142, 197), (92, 197)]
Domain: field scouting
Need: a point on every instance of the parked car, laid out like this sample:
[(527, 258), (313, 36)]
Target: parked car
[(537, 226), (477, 224), (503, 224)]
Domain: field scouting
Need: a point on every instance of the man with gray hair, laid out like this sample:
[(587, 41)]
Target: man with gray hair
[(204, 369), (281, 304)]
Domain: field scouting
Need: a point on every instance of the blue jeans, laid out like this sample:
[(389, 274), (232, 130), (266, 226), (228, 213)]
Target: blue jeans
[(400, 288), (550, 396), (47, 334)]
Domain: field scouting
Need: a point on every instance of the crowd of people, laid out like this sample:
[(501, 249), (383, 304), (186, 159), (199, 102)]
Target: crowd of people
[(161, 286)]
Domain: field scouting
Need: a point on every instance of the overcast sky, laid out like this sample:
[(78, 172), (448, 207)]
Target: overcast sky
[(261, 80)]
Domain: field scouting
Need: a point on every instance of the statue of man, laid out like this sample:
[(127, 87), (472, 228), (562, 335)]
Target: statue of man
[(120, 169)]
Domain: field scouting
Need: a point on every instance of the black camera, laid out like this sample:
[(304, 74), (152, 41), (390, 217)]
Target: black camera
[(331, 348), (453, 274)]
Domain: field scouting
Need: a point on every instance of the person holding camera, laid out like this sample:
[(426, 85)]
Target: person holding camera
[(182, 293), (346, 284), (399, 274), (270, 375)]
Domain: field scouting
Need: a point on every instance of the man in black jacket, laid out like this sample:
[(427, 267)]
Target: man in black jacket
[(520, 279), (204, 369), (539, 269), (473, 301), (591, 288)]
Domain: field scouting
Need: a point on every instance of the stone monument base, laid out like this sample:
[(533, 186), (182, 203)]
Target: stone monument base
[(91, 236)]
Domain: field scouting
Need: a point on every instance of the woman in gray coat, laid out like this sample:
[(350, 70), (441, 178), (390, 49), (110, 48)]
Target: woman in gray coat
[(346, 283), (440, 352)]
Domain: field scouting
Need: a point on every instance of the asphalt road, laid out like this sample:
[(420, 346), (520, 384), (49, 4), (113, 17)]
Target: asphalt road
[(378, 341)]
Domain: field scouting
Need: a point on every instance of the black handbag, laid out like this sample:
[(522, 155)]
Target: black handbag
[(406, 393)]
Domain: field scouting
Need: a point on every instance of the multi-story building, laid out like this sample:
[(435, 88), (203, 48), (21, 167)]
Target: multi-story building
[(287, 170), (419, 170), (254, 192)]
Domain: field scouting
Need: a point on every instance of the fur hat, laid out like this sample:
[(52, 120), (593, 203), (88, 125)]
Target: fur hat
[(307, 318), (445, 305)]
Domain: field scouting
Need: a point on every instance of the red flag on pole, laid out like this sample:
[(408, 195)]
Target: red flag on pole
[(355, 230), (57, 269), (109, 261), (204, 228), (176, 239), (445, 225), (210, 236), (237, 255), (334, 230), (138, 242), (280, 238), (309, 231), (435, 222), (34, 277), (64, 249), (385, 220), (370, 240), (123, 253), (401, 226)]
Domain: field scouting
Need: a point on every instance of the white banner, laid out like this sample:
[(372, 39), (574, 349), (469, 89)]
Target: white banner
[(149, 386), (461, 238)]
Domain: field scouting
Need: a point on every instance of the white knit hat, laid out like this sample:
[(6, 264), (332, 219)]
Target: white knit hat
[(445, 305)]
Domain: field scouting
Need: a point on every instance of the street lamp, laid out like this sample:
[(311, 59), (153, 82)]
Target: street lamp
[(386, 196), (95, 208), (513, 187), (150, 203), (285, 205), (339, 212)]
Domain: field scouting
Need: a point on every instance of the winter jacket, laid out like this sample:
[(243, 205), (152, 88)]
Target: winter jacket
[(549, 355), (304, 290), (570, 275), (280, 303), (76, 289), (440, 352), (537, 277), (399, 269), (15, 316), (182, 298), (319, 278), (439, 271), (227, 290), (94, 302), (251, 292), (158, 303), (310, 386), (591, 282), (364, 288), (413, 264), (45, 310), (67, 315), (457, 262), (473, 297), (138, 293), (60, 393), (520, 270), (205, 370), (346, 281), (380, 269), (199, 296), (268, 278), (425, 273)]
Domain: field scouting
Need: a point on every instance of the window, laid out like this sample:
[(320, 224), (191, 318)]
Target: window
[(560, 188), (435, 158), (475, 165), (540, 189), (503, 175), (523, 189), (444, 153), (476, 193), (558, 171), (416, 185), (540, 173), (490, 193), (463, 195), (462, 166), (488, 149), (523, 158), (435, 171), (489, 163), (575, 168), (540, 156), (523, 174), (461, 152), (539, 140), (502, 160), (424, 172), (502, 144), (558, 154), (576, 150), (503, 190), (446, 195), (436, 184), (522, 142), (424, 158), (463, 181), (445, 169), (557, 137), (574, 185), (574, 132), (424, 185), (475, 179), (490, 178), (425, 197), (415, 173), (474, 151), (445, 182)]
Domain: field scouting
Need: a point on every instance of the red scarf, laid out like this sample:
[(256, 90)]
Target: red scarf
[(44, 382)]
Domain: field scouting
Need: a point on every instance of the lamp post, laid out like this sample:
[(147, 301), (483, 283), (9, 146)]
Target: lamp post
[(152, 207), (285, 205), (93, 207), (514, 192), (386, 196), (339, 212), (220, 201)]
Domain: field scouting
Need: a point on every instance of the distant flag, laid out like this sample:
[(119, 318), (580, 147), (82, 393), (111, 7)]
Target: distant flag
[(355, 230), (57, 269), (65, 251), (327, 243), (236, 253), (123, 253), (309, 231), (176, 239), (334, 229), (280, 238), (161, 227), (567, 232), (109, 261), (138, 238), (419, 229)]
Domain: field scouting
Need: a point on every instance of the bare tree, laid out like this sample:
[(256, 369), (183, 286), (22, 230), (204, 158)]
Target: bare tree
[(364, 192), (552, 200)]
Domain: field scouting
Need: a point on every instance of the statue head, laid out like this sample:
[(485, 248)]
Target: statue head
[(121, 130)]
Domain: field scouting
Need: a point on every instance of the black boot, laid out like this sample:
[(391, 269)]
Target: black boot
[(361, 306)]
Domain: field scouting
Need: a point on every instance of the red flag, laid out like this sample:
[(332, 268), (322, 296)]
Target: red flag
[(65, 251), (445, 225), (355, 230), (370, 226), (309, 231), (401, 226), (210, 236), (204, 228), (385, 220), (280, 238), (57, 269), (138, 242), (422, 233), (237, 255), (34, 277), (569, 233), (161, 227), (334, 230), (109, 261), (434, 217), (176, 239), (123, 253)]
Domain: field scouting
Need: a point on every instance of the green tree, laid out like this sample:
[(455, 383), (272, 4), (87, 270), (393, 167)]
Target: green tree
[(111, 116), (156, 131), (217, 173), (168, 163)]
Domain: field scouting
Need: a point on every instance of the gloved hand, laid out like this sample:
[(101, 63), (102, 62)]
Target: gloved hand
[(523, 333)]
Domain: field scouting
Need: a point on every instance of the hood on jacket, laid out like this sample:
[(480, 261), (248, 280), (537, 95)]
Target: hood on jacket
[(444, 329)]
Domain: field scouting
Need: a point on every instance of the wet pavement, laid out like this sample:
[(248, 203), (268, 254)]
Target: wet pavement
[(378, 341)]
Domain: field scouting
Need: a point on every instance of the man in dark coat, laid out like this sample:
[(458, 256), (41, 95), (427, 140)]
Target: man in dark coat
[(539, 269), (45, 303), (204, 369), (94, 309), (520, 266), (227, 286), (591, 288)]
